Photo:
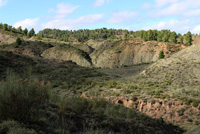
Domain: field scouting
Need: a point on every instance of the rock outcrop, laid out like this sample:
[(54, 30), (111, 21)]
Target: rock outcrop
[(84, 47), (68, 53), (171, 110), (127, 53)]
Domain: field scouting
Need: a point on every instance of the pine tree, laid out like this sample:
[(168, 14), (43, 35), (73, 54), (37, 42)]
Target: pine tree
[(1, 25), (5, 27), (9, 28), (25, 31), (188, 38), (173, 37), (150, 35), (166, 37), (141, 34), (145, 36), (159, 37), (31, 32), (19, 29), (181, 39)]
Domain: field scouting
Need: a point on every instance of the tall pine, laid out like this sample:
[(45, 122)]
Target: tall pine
[(188, 38), (31, 32)]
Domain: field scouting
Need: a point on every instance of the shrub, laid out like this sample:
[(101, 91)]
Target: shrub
[(22, 131), (112, 84), (7, 125), (195, 103), (19, 100), (188, 101), (18, 42), (13, 127), (181, 112), (161, 55)]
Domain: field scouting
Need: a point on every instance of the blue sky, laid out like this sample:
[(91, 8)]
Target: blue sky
[(175, 15)]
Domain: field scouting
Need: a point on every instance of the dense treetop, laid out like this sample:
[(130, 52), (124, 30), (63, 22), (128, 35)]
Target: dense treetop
[(7, 28), (104, 33), (83, 35)]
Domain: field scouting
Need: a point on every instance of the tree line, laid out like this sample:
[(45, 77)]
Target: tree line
[(165, 36), (19, 30), (83, 35), (104, 33)]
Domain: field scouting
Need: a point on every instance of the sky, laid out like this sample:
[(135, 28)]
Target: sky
[(176, 15)]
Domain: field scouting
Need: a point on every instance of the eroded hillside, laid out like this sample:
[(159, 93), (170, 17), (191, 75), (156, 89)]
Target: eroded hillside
[(123, 74), (112, 54), (128, 53), (181, 70)]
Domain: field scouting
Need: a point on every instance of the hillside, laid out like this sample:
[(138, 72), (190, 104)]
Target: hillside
[(66, 53), (111, 54), (56, 109), (6, 39), (128, 53), (182, 69), (96, 85)]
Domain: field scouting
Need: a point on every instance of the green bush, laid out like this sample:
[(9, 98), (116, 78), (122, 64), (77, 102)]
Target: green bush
[(195, 103), (20, 100), (161, 55), (18, 42), (22, 131), (188, 101), (112, 84), (7, 125), (13, 127), (181, 112)]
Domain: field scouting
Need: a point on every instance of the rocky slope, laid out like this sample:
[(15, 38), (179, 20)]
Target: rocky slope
[(127, 53), (29, 48), (113, 54), (66, 53), (169, 109), (181, 70), (98, 53), (172, 110), (84, 47), (6, 39)]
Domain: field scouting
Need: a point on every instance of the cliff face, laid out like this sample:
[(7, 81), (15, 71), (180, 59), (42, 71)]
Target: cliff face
[(127, 53), (67, 53), (84, 47), (171, 109), (110, 54)]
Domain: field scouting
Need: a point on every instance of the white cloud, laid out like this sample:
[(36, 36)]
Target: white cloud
[(99, 3), (176, 7), (196, 30), (27, 23), (161, 3), (63, 10), (73, 23), (173, 25), (3, 2), (145, 6), (192, 13), (122, 16)]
